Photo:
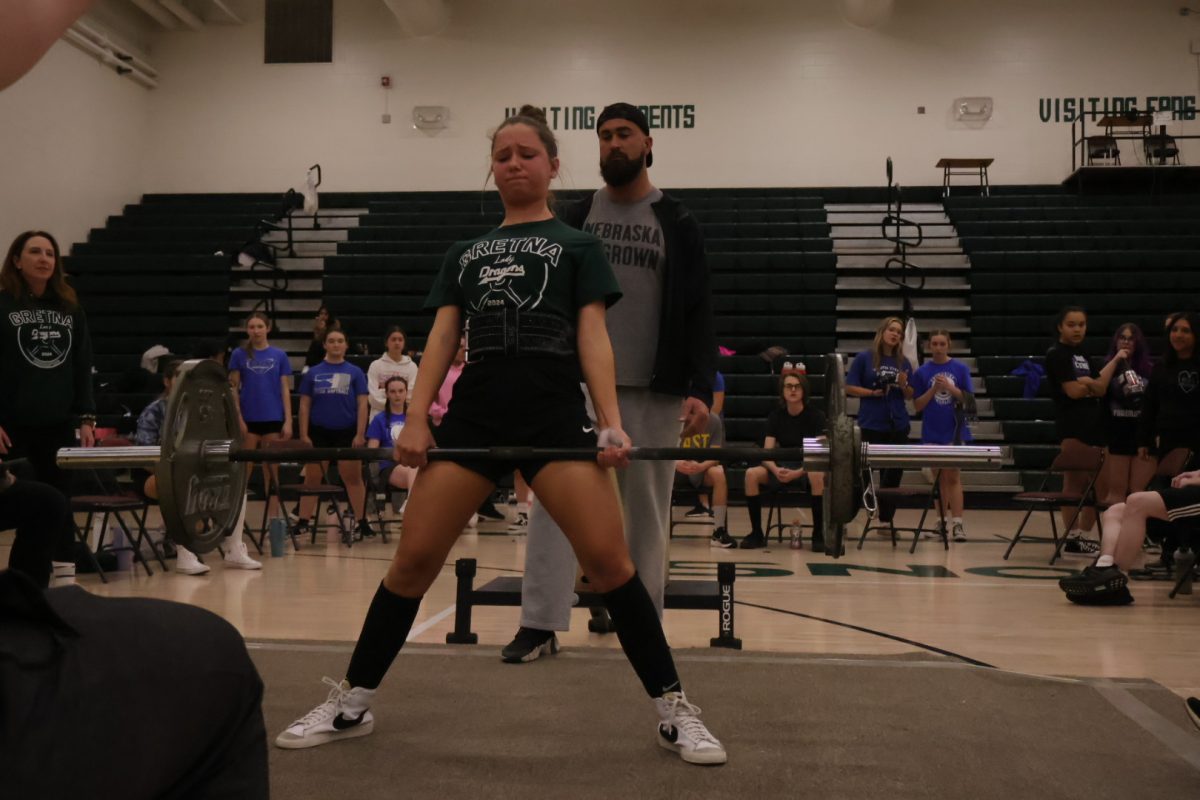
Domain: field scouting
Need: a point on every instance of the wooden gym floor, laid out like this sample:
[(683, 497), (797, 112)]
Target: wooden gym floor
[(968, 601)]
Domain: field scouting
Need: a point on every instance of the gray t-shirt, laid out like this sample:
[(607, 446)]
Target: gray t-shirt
[(713, 435), (633, 242)]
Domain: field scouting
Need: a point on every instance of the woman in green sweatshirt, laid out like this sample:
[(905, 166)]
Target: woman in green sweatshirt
[(45, 358)]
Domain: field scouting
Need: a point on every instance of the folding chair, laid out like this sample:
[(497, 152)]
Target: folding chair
[(775, 499), (1075, 457), (324, 492), (907, 493), (114, 505), (684, 494), (377, 495)]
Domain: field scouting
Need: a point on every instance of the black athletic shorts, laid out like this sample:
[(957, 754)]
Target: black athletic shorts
[(1181, 503), (330, 437), (1122, 436), (264, 428), (516, 402)]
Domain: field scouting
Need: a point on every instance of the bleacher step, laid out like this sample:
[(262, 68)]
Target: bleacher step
[(924, 259), (283, 305), (841, 230), (294, 285), (881, 286), (322, 235), (884, 306), (868, 325), (875, 218)]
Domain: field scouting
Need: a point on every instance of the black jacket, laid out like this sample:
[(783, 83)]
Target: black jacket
[(686, 359), (1171, 409), (45, 363)]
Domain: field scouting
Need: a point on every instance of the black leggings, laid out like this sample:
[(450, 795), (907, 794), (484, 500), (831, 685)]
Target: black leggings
[(40, 446), (174, 680), (45, 528), (888, 478)]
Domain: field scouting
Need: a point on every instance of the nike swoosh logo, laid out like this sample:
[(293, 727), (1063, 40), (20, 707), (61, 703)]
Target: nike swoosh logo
[(670, 733), (589, 430), (341, 722)]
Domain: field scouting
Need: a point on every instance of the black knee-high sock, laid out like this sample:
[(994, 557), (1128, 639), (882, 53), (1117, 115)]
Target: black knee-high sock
[(389, 619), (642, 637), (816, 505), (754, 509)]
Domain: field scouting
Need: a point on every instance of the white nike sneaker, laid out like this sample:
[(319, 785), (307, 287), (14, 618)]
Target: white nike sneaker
[(187, 562), (344, 715), (681, 730), (237, 557)]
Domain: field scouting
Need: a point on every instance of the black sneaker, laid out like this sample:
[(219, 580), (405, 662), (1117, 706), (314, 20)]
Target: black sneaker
[(489, 511), (364, 529), (1101, 586), (1192, 704), (754, 541), (1077, 544), (721, 538), (528, 645), (698, 511)]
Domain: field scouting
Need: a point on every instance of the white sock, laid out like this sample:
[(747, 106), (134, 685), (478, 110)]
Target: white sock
[(1104, 561), (956, 520), (62, 573), (719, 516), (240, 526)]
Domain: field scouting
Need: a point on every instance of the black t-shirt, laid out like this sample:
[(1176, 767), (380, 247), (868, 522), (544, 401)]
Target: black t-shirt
[(1171, 411), (1074, 419), (790, 431)]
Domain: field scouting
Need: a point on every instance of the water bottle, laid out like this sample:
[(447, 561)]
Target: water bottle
[(278, 532)]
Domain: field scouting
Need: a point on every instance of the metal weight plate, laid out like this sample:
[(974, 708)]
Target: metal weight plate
[(841, 493), (835, 386), (840, 499), (200, 498)]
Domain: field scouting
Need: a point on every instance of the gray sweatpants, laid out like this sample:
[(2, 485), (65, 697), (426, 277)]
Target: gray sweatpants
[(548, 591)]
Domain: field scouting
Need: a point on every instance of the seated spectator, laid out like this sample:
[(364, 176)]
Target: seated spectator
[(333, 413), (700, 472), (787, 426), (437, 409), (149, 432), (939, 387), (394, 362), (1105, 582), (385, 429), (45, 543)]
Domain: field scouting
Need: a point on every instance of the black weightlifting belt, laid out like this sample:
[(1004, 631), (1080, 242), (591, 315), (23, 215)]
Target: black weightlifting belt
[(511, 332)]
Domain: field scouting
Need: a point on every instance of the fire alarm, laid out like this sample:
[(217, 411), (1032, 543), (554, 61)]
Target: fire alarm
[(386, 81)]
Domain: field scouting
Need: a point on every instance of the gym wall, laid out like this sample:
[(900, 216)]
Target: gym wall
[(781, 92)]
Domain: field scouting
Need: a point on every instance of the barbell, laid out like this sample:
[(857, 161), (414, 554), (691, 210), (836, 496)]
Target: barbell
[(201, 480)]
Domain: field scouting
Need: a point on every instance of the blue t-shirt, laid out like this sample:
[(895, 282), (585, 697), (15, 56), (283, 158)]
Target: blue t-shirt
[(886, 413), (387, 431), (260, 395), (334, 389), (939, 420)]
